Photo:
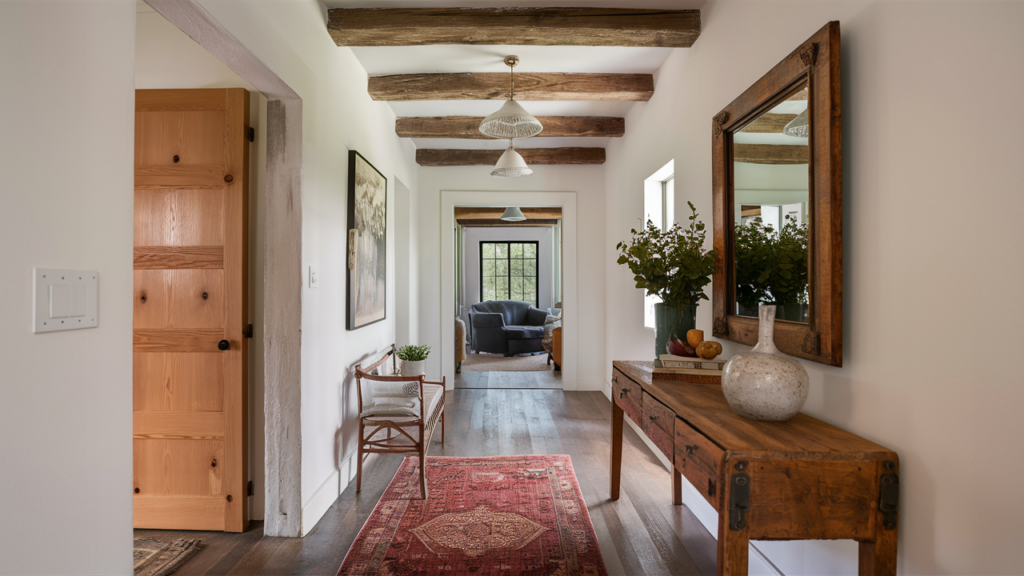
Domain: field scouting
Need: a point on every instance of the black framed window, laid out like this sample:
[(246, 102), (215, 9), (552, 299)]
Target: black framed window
[(508, 271)]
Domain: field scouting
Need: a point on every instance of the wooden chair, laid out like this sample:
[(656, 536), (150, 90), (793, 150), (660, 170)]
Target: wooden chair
[(393, 429)]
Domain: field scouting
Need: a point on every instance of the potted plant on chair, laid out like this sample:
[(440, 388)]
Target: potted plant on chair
[(672, 265), (414, 359)]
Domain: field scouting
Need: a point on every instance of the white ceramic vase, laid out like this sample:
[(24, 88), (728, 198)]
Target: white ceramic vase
[(765, 384), (414, 368)]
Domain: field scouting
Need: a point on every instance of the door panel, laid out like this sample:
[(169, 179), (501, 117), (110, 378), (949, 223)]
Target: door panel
[(190, 393), (178, 467), (179, 299), (185, 218), (188, 382), (196, 137)]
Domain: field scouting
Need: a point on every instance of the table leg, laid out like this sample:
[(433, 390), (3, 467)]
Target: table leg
[(878, 558), (616, 469), (733, 549), (677, 487)]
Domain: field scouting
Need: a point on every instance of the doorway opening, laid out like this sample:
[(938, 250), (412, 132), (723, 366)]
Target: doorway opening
[(508, 298)]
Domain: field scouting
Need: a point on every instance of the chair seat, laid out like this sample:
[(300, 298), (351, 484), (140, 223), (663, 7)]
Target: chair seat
[(431, 394), (524, 332)]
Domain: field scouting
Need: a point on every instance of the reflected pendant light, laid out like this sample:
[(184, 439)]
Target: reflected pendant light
[(511, 165), (511, 120), (799, 127), (513, 214)]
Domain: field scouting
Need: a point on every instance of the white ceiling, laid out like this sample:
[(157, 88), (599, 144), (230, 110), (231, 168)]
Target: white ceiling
[(380, 61)]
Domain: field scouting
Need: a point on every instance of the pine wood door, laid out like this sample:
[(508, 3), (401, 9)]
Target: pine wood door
[(191, 248)]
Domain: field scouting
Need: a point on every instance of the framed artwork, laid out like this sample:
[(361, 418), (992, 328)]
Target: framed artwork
[(367, 243)]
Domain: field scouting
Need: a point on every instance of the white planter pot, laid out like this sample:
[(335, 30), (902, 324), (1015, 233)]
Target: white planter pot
[(417, 368)]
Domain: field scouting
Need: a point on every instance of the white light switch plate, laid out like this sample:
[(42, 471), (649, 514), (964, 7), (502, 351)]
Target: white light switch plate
[(314, 276), (64, 299)]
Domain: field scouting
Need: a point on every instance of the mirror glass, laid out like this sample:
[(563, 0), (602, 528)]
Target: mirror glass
[(771, 178)]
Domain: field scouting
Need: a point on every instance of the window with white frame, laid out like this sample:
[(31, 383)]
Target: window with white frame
[(659, 207)]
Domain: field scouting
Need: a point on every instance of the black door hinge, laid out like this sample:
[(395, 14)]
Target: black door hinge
[(247, 332), (889, 500), (248, 489), (251, 134), (739, 501)]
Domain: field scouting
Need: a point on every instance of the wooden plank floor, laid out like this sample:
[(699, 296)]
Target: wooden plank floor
[(641, 533), (549, 379)]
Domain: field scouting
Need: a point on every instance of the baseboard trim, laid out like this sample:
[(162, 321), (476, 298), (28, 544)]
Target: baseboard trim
[(318, 504), (759, 563)]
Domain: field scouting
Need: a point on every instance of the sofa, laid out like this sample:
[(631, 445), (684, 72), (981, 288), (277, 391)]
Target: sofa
[(506, 327)]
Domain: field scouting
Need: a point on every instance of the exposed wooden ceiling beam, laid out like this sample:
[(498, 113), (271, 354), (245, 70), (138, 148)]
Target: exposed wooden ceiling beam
[(514, 26), (770, 154), (495, 86), (535, 156), (469, 127), (502, 224), (769, 123), (484, 213)]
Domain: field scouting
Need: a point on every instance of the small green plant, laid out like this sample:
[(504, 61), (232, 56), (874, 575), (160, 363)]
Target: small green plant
[(413, 353), (771, 267), (670, 264)]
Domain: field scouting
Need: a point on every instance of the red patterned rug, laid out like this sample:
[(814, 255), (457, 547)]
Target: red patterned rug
[(501, 515)]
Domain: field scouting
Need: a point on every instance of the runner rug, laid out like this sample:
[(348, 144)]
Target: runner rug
[(162, 557), (501, 515)]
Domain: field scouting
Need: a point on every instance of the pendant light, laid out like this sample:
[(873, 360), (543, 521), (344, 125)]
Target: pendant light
[(511, 120), (513, 214), (799, 126), (511, 164)]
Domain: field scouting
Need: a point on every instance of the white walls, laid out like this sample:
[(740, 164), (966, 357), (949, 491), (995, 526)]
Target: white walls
[(921, 173), (543, 235), (588, 183), (406, 266), (165, 57), (66, 160)]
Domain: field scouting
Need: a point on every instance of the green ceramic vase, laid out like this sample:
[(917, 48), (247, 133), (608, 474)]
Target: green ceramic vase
[(670, 321)]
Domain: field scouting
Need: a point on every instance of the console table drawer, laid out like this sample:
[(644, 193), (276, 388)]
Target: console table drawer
[(626, 394), (708, 484), (657, 422), (693, 445)]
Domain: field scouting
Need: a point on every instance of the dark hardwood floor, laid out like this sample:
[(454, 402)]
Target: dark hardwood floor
[(641, 533), (548, 379)]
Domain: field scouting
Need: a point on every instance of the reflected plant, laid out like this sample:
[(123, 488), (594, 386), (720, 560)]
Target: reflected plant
[(670, 264), (771, 267)]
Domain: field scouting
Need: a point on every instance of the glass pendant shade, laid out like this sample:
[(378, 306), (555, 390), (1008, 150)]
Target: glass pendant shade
[(511, 165), (511, 121), (513, 214), (799, 127)]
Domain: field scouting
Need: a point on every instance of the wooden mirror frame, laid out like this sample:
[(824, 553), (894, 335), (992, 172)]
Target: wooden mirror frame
[(821, 338)]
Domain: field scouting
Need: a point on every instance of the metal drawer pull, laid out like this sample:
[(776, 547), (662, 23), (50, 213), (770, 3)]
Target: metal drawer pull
[(653, 418), (690, 449)]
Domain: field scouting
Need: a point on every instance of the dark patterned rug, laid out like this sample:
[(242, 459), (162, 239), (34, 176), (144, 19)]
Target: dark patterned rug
[(162, 557), (500, 515)]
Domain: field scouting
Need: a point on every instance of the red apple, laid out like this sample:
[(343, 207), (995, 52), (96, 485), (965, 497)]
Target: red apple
[(677, 347)]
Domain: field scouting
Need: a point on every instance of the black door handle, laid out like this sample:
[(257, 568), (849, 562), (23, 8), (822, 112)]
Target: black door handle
[(224, 345)]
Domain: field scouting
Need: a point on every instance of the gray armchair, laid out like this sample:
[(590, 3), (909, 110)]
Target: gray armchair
[(506, 327)]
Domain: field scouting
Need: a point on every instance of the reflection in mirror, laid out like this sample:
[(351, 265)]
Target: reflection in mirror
[(772, 219)]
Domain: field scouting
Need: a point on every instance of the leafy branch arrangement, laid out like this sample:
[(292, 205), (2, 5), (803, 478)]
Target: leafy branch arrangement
[(412, 353), (771, 267), (671, 264)]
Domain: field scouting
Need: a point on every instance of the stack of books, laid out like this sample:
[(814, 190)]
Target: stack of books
[(683, 369)]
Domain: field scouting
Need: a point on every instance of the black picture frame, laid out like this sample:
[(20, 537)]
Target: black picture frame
[(536, 278), (366, 221)]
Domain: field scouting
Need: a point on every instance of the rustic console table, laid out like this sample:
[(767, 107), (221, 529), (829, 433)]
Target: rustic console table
[(795, 480)]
